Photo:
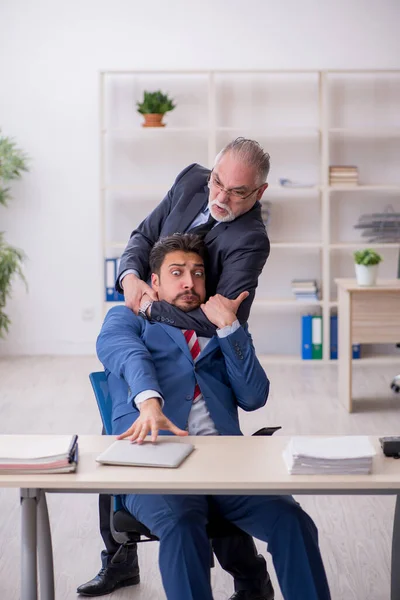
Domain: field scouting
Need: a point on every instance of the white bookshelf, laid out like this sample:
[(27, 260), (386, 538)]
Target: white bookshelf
[(306, 120)]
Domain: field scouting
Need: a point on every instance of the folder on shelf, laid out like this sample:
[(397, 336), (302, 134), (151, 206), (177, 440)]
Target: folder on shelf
[(110, 276), (120, 296), (334, 340), (109, 266), (306, 337), (316, 337), (334, 337)]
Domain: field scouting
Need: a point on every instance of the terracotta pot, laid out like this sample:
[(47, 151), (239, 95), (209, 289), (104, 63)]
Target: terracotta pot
[(154, 120)]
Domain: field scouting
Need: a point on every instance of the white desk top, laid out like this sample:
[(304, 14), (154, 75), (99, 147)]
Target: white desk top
[(382, 285), (219, 464)]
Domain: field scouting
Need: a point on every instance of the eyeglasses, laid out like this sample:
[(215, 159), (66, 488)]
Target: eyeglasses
[(230, 193)]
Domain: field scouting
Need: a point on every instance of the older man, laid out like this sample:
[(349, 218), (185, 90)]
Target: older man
[(223, 206)]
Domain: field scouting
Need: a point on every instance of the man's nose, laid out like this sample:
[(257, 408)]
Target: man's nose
[(188, 281), (223, 197)]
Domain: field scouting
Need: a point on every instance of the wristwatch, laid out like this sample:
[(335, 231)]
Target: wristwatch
[(144, 307)]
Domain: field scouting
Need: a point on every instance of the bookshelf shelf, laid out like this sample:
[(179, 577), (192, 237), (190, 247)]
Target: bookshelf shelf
[(308, 120), (362, 244), (367, 133), (285, 132), (139, 131), (292, 191), (158, 189), (297, 245), (285, 303), (294, 359), (365, 188)]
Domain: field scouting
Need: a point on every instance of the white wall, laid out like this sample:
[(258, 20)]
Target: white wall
[(50, 54)]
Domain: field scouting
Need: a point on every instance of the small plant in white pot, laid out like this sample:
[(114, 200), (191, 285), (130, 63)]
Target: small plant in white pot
[(366, 263)]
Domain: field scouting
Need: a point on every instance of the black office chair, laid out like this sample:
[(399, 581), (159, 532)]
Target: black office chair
[(127, 530)]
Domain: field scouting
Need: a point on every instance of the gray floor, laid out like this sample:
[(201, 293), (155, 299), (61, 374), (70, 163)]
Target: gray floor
[(43, 395)]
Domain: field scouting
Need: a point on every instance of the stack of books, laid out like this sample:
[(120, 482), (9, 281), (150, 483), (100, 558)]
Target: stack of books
[(347, 455), (38, 454), (341, 175), (305, 289)]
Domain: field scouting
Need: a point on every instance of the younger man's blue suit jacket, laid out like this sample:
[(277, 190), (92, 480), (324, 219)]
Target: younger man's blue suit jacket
[(138, 355)]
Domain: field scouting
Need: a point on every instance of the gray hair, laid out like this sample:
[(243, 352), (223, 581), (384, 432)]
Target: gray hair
[(249, 152)]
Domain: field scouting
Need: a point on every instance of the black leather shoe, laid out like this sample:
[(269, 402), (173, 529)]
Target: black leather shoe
[(267, 594), (107, 580)]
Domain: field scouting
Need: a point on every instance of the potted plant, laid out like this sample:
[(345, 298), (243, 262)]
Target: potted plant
[(366, 264), (12, 162), (153, 107)]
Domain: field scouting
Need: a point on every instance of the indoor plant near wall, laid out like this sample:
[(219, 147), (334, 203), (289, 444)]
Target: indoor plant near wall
[(153, 107), (366, 264), (12, 162)]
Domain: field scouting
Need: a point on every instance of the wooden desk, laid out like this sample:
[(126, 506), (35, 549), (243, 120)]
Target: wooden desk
[(219, 465), (366, 315)]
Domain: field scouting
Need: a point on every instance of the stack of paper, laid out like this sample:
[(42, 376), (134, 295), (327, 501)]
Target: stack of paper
[(38, 454), (350, 455)]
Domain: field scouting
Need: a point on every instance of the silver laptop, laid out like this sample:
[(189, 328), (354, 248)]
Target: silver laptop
[(160, 454)]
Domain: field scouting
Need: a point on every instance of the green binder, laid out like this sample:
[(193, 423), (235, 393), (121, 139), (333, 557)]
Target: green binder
[(316, 339)]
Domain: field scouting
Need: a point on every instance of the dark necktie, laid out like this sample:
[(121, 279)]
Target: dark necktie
[(204, 228)]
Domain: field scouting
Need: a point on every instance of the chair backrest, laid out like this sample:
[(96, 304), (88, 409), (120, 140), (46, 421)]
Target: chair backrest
[(99, 383), (100, 388)]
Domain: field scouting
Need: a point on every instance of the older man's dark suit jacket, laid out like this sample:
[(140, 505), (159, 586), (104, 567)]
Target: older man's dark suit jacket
[(237, 251)]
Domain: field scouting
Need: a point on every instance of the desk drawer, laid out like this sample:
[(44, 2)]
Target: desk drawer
[(375, 317)]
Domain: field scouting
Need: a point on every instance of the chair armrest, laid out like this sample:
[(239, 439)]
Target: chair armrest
[(267, 430)]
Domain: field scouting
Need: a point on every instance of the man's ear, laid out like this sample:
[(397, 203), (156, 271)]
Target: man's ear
[(155, 282), (261, 191)]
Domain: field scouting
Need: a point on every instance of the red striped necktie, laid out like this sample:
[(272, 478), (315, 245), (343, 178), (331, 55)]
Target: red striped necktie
[(194, 347)]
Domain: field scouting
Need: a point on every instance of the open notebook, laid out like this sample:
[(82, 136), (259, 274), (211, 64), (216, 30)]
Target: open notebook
[(38, 454)]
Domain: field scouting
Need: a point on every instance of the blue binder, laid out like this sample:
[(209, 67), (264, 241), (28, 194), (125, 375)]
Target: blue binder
[(120, 296), (334, 337), (334, 340), (110, 276), (306, 337)]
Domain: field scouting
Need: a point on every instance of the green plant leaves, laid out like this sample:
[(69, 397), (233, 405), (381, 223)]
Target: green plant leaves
[(12, 162), (155, 103), (10, 264), (367, 257)]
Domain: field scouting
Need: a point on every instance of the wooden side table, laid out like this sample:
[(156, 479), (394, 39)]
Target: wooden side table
[(366, 315)]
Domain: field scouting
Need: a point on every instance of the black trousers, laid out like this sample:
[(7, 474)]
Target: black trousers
[(237, 554)]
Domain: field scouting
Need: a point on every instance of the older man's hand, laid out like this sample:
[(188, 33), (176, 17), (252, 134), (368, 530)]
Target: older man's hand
[(134, 290), (151, 420)]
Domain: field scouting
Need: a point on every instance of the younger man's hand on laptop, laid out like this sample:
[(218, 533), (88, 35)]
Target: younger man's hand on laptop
[(151, 420)]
